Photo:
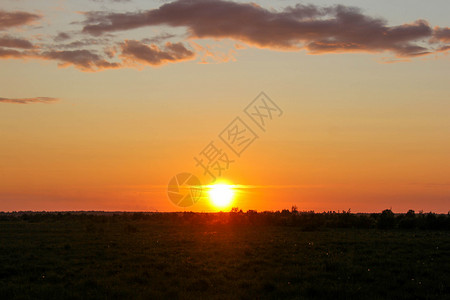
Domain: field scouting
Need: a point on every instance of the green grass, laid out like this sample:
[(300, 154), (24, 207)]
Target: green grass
[(108, 257)]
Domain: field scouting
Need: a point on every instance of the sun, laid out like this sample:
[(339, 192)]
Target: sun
[(221, 194)]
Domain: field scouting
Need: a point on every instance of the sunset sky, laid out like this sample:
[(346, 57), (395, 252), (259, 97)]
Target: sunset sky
[(102, 102)]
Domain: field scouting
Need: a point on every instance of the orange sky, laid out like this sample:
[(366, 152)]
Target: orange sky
[(98, 116)]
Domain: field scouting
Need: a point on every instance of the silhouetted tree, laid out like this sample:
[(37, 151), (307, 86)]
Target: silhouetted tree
[(386, 219), (235, 210), (408, 221), (294, 209)]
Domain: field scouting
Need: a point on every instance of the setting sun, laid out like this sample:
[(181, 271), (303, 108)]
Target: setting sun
[(221, 195)]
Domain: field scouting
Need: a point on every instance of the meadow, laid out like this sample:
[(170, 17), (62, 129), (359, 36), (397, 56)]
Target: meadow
[(235, 255)]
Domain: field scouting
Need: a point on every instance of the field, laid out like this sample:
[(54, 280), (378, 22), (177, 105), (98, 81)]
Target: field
[(218, 256)]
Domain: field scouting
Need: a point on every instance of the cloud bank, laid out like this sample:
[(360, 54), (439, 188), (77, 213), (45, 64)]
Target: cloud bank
[(317, 30)]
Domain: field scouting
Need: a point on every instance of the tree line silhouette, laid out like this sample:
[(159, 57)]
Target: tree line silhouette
[(306, 220)]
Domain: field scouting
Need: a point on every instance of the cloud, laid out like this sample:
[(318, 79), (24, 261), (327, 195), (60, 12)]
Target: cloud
[(17, 18), (82, 43), (214, 53), (84, 60), (443, 49), (62, 36), (153, 55), (29, 100), (442, 34), (10, 53), (159, 38), (317, 29), (11, 42)]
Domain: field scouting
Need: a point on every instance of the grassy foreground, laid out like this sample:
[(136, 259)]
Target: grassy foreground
[(170, 256)]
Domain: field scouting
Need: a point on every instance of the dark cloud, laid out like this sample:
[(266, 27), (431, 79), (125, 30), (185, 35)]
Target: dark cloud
[(85, 60), (442, 34), (318, 29), (153, 55), (11, 53), (82, 59), (443, 49), (11, 42), (28, 100), (62, 36), (16, 18)]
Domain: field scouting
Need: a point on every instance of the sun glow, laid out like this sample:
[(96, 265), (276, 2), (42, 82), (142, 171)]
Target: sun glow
[(221, 194)]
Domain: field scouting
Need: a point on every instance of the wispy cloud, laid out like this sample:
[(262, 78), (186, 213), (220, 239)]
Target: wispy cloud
[(29, 100), (152, 55), (11, 53), (159, 38), (83, 59)]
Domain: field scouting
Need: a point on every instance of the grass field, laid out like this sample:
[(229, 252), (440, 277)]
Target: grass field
[(165, 256)]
